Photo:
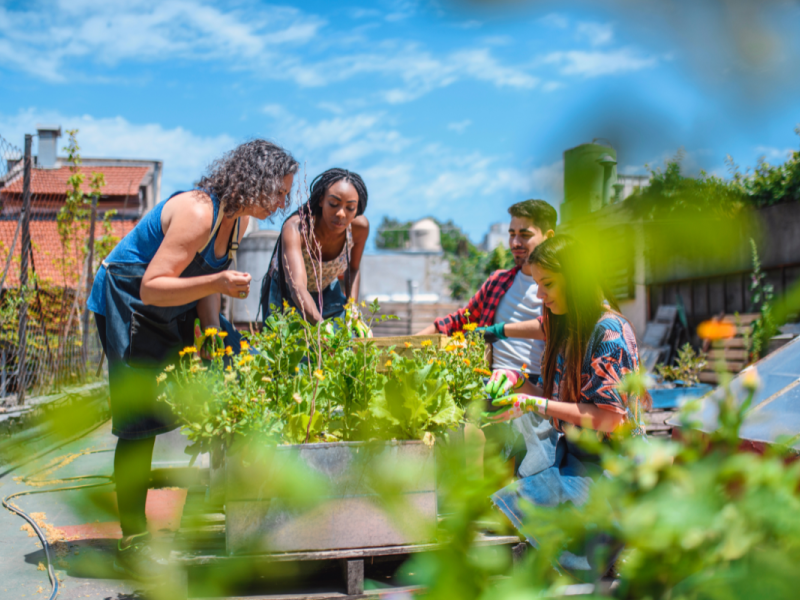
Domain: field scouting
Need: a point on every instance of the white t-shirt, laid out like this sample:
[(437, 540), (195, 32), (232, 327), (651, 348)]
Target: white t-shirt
[(518, 304)]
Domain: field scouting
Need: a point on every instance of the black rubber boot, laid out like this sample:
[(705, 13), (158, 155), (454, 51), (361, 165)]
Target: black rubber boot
[(139, 561)]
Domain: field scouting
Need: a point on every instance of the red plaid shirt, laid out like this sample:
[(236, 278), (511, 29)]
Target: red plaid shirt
[(483, 305)]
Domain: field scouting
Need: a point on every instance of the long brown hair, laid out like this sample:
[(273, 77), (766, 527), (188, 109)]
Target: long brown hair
[(584, 294)]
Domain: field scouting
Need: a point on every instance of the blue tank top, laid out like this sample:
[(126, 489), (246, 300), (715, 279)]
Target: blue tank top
[(141, 245)]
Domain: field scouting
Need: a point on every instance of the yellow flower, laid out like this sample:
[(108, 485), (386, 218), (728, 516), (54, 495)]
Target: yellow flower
[(425, 343), (458, 336), (470, 326), (318, 374), (449, 348), (388, 363), (223, 334), (285, 305), (210, 331), (297, 369), (245, 345), (466, 361), (430, 362), (363, 304), (483, 372), (408, 344), (189, 350), (169, 368), (229, 368)]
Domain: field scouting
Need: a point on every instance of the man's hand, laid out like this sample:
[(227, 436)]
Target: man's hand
[(518, 404), (493, 333), (503, 381)]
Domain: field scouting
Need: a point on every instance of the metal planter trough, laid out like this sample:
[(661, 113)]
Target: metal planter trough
[(330, 496)]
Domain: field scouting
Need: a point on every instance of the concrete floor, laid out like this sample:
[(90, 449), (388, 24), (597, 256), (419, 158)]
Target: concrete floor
[(85, 518)]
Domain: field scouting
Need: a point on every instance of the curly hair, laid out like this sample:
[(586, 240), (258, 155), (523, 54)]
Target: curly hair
[(323, 181), (249, 175)]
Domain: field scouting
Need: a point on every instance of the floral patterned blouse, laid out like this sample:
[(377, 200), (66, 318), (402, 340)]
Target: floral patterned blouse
[(611, 354)]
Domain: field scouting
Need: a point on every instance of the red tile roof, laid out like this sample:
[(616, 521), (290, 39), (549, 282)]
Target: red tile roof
[(48, 253), (120, 181)]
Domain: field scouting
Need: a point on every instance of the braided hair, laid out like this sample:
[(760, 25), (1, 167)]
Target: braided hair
[(323, 181)]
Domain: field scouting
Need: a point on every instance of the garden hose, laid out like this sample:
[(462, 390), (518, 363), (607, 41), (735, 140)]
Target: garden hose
[(42, 537)]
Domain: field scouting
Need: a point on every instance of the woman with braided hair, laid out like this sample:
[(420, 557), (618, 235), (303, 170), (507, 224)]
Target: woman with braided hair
[(321, 243)]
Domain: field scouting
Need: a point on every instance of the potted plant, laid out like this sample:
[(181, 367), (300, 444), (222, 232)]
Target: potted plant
[(681, 381), (305, 414)]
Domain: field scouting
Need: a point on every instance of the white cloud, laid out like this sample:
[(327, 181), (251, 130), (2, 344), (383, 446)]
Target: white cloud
[(597, 34), (459, 126), (597, 63), (55, 44), (185, 154), (774, 154), (43, 40)]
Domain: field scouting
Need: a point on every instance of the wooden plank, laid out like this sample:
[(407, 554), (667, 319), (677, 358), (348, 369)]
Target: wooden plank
[(728, 354), (353, 573), (198, 557)]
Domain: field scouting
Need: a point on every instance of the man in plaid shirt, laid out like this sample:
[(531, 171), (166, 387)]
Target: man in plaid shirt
[(509, 296)]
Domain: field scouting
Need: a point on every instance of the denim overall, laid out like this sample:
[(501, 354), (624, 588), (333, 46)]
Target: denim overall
[(141, 339)]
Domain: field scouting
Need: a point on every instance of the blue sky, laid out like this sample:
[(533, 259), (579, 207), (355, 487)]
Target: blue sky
[(450, 109)]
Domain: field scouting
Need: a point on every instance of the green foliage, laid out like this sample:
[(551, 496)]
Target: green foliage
[(762, 297), (671, 194), (698, 519), (313, 383), (687, 367), (414, 401), (771, 184), (392, 234), (73, 217)]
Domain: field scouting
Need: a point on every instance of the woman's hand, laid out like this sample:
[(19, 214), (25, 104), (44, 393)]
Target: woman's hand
[(234, 284), (503, 381), (518, 404)]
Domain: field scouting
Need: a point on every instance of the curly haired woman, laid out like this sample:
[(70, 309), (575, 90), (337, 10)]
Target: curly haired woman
[(589, 348), (170, 269)]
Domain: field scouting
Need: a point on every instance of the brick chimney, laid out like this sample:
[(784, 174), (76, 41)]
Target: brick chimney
[(48, 145)]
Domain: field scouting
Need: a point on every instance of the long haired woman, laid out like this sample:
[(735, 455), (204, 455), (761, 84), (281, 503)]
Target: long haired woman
[(589, 348)]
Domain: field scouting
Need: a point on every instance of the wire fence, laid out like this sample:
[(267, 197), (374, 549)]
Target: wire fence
[(47, 339)]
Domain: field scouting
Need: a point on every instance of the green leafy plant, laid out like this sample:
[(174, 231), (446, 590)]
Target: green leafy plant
[(295, 382), (687, 367), (762, 293)]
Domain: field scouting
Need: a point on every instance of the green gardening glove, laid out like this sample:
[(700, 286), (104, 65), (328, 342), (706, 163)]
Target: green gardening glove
[(514, 406), (493, 333), (504, 381)]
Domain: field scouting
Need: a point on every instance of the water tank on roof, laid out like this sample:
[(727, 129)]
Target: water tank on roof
[(425, 235), (253, 257), (589, 172)]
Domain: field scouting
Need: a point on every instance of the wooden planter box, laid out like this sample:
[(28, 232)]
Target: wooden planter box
[(268, 510)]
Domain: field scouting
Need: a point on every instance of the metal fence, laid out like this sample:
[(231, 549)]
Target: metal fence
[(47, 339)]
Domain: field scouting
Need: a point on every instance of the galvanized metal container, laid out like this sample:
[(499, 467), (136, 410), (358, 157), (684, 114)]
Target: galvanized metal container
[(331, 496)]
